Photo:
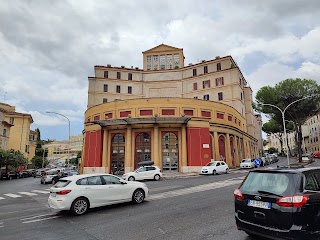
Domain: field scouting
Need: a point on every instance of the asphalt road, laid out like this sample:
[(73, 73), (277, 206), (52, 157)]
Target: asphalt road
[(199, 207)]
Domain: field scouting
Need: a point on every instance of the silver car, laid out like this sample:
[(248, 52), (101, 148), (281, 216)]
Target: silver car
[(47, 176)]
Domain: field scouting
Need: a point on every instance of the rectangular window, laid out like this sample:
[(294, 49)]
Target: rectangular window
[(220, 96), (176, 60), (108, 115), (118, 89), (167, 111), (241, 97), (125, 113), (194, 71), (205, 114), (148, 62), (205, 69), (218, 66), (130, 90), (4, 132), (27, 149), (169, 61), (145, 112), (219, 81), (11, 120), (155, 62), (95, 118), (188, 112), (229, 118), (206, 84), (129, 76), (220, 115), (195, 86), (105, 87), (118, 75), (105, 100), (106, 74), (162, 62), (195, 97), (206, 97)]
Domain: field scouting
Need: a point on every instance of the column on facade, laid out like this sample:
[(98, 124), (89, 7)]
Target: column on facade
[(129, 159), (228, 152), (155, 152), (105, 150), (236, 151), (184, 161), (216, 145)]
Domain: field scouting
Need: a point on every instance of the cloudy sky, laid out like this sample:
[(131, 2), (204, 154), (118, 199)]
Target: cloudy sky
[(49, 48)]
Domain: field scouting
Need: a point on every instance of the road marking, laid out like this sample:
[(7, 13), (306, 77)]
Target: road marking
[(42, 219), (2, 198), (40, 191), (200, 188), (28, 193), (48, 189), (33, 217), (164, 188), (12, 195)]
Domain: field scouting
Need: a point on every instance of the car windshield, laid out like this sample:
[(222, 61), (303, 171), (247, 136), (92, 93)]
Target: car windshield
[(52, 172), (61, 183), (246, 160), (275, 183), (211, 164)]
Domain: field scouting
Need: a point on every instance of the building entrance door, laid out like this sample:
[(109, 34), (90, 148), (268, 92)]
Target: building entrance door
[(170, 148), (117, 154)]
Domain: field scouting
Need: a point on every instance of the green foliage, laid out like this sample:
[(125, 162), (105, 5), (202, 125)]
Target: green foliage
[(272, 150), (272, 126), (12, 158), (265, 142), (37, 162)]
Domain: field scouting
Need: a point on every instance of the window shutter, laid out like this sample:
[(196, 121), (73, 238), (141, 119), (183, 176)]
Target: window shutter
[(222, 80), (209, 83), (203, 84)]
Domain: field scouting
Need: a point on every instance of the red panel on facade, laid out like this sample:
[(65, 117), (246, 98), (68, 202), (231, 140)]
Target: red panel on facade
[(95, 118), (220, 115), (205, 114), (145, 112), (188, 112), (125, 113), (108, 115), (199, 146), (93, 149), (230, 118), (167, 111)]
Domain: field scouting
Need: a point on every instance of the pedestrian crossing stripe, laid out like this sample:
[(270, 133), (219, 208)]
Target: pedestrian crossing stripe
[(2, 198), (12, 195), (40, 191), (28, 193)]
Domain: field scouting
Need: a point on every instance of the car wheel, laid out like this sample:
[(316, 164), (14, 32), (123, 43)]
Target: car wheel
[(131, 178), (227, 171), (138, 196), (157, 177), (80, 206), (214, 172)]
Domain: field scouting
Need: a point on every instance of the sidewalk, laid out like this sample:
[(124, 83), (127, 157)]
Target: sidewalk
[(172, 175)]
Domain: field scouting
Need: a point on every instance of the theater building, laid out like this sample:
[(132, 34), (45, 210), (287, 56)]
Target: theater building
[(178, 116)]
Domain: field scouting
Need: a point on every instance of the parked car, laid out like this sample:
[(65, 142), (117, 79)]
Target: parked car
[(144, 173), (39, 173), (307, 157), (78, 193), (247, 163), (215, 167), (10, 175), (279, 203), (49, 175), (316, 154)]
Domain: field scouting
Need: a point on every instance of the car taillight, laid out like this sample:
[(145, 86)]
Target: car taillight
[(293, 201), (238, 194), (63, 192), (160, 170)]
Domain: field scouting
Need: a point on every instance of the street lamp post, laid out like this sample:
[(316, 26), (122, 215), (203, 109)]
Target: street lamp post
[(283, 120), (68, 153)]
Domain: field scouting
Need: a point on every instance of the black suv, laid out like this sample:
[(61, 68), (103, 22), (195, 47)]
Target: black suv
[(280, 203)]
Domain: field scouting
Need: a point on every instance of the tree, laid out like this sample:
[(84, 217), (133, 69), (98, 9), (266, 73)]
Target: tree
[(272, 150), (12, 159), (37, 162), (283, 94)]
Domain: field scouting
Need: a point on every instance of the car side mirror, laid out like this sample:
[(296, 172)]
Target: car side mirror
[(122, 182)]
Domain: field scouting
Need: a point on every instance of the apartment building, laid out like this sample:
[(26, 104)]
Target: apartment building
[(179, 116)]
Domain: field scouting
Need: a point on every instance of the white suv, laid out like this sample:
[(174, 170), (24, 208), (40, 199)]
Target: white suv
[(144, 172), (215, 167)]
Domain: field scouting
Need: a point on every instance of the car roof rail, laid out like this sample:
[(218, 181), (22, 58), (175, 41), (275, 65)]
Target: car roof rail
[(291, 166)]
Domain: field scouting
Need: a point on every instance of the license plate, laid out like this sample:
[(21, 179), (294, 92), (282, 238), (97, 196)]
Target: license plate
[(53, 194), (259, 204)]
